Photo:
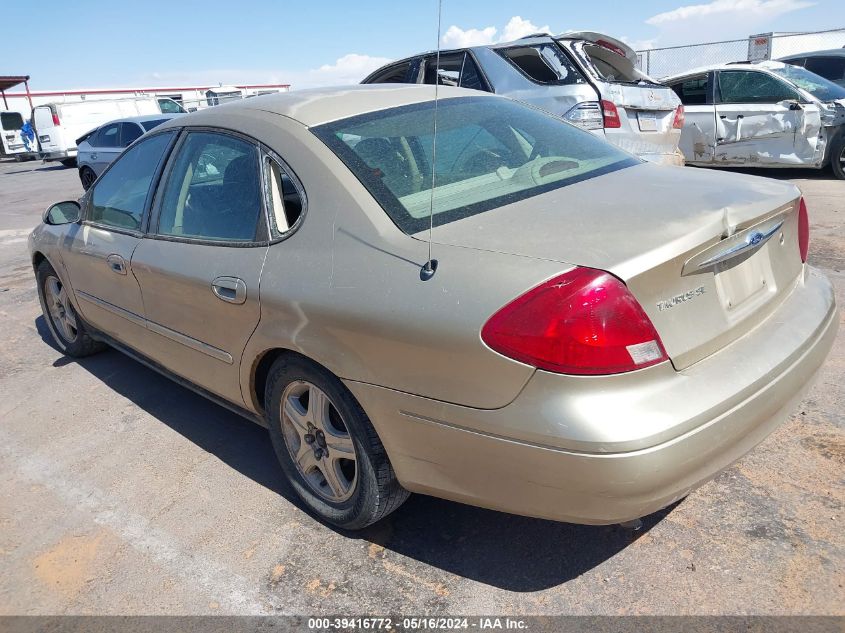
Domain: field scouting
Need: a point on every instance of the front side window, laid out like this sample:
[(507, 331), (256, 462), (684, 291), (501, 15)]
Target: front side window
[(213, 191), (821, 88), (149, 125), (832, 68), (490, 152), (748, 86), (120, 195), (694, 90), (544, 63), (129, 133)]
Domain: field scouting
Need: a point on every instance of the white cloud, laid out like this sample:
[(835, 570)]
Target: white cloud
[(517, 27), (719, 20), (456, 37), (729, 9), (349, 69)]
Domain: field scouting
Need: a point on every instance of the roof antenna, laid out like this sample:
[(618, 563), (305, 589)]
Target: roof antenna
[(430, 267)]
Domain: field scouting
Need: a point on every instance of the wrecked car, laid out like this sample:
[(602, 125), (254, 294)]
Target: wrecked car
[(513, 321), (587, 78), (765, 114)]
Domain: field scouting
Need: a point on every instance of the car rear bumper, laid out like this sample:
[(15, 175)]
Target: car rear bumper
[(674, 158), (60, 155), (600, 450)]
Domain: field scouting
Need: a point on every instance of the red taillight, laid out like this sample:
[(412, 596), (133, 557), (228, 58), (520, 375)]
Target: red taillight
[(610, 114), (678, 122), (585, 321), (56, 121), (803, 230), (611, 47)]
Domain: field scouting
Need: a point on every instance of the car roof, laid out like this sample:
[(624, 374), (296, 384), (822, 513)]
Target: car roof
[(834, 52), (761, 65), (143, 118), (321, 105)]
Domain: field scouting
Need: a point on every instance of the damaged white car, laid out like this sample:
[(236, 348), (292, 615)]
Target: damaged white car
[(765, 114)]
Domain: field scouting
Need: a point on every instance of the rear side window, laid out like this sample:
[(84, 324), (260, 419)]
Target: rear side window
[(286, 202), (120, 195), (11, 120), (544, 64), (694, 90), (490, 152), (396, 74), (454, 70), (213, 191), (748, 86), (108, 136)]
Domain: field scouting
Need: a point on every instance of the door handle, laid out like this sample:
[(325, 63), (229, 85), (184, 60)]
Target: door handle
[(116, 263), (229, 289), (94, 156)]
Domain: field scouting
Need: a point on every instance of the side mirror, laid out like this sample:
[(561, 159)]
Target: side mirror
[(66, 212), (792, 104)]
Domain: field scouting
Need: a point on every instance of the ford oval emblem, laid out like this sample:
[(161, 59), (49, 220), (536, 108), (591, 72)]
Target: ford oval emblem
[(755, 239)]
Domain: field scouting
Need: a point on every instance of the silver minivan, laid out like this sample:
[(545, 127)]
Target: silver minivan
[(587, 78)]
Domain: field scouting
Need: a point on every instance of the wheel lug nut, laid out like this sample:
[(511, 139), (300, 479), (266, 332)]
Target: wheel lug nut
[(318, 453), (309, 439)]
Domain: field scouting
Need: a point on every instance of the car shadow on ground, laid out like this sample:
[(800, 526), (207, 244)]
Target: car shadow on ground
[(503, 550)]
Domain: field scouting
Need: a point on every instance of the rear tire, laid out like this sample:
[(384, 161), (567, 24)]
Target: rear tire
[(837, 157), (351, 485), (87, 177), (69, 162), (65, 325)]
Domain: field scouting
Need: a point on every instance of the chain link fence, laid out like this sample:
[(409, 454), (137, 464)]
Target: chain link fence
[(662, 62)]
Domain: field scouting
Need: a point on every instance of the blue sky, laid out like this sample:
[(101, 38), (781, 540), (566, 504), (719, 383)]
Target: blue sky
[(88, 44)]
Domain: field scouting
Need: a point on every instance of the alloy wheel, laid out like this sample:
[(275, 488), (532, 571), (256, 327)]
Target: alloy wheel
[(318, 441), (61, 311)]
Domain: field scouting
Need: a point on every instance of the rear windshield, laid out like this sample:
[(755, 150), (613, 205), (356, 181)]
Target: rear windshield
[(614, 68), (11, 120), (543, 63), (149, 125), (490, 152), (821, 88)]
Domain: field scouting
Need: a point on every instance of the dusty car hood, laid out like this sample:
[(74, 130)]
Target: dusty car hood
[(623, 220)]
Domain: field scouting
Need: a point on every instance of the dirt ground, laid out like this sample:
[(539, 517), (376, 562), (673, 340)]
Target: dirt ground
[(122, 492)]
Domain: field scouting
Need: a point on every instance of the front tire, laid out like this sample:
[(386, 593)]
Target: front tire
[(65, 325), (327, 446)]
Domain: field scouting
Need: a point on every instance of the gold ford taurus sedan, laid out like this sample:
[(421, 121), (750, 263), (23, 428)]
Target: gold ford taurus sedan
[(597, 336)]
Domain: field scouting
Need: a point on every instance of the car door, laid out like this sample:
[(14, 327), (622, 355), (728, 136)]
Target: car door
[(200, 266), (98, 251), (698, 137), (107, 147), (762, 120)]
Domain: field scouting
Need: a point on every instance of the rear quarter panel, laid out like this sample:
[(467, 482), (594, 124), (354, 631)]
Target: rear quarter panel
[(345, 291)]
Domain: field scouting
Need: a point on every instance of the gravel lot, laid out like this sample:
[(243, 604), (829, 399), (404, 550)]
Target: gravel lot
[(121, 492)]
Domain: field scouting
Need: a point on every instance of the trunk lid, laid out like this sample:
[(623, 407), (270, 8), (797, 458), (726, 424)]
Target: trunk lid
[(646, 108), (708, 255)]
